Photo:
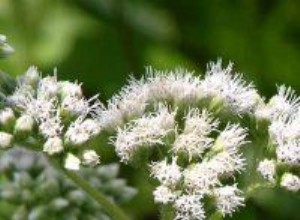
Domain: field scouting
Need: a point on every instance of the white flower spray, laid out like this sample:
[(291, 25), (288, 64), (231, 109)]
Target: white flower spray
[(56, 113), (190, 131)]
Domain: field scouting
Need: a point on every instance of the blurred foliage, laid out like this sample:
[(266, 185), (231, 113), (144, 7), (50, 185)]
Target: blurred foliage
[(100, 42)]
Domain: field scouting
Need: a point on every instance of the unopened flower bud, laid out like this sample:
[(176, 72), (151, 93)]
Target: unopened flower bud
[(70, 89), (72, 162), (24, 124), (5, 49), (6, 140), (53, 146), (90, 157), (7, 116), (32, 76)]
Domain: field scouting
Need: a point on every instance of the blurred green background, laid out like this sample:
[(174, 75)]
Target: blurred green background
[(101, 42)]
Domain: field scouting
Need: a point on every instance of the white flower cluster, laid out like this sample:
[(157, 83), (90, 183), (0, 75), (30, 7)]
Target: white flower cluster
[(149, 130), (208, 164), (201, 157), (59, 112), (219, 87), (283, 114)]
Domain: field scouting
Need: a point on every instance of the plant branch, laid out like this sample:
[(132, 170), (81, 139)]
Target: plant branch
[(109, 207)]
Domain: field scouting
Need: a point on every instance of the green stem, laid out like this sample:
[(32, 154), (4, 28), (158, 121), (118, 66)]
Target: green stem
[(109, 207), (166, 213)]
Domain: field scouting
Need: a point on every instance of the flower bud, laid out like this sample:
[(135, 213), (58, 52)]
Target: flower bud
[(72, 162), (6, 140), (24, 124), (90, 158), (53, 146), (5, 49), (32, 76), (70, 89), (7, 117)]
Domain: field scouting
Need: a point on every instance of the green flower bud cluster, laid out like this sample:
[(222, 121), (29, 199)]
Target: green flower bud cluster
[(38, 192)]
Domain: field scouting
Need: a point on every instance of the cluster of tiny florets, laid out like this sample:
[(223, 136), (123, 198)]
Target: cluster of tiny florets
[(283, 114), (220, 87), (37, 191), (56, 113)]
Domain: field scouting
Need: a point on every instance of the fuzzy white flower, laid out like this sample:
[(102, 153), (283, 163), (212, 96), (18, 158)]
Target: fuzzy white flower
[(164, 195), (231, 138), (129, 103), (166, 174), (189, 207), (53, 145), (267, 168), (226, 164), (90, 157), (284, 103), (228, 199), (200, 178), (148, 131), (192, 144), (79, 106), (81, 131), (40, 108), (178, 85), (230, 89), (72, 162), (290, 182), (6, 140), (199, 122)]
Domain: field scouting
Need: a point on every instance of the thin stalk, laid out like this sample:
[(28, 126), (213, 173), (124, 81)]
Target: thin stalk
[(109, 207)]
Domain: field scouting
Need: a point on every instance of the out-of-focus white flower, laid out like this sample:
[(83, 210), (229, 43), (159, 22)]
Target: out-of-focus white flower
[(164, 195), (231, 138), (53, 145), (228, 199), (166, 174), (189, 207), (230, 89), (90, 157), (290, 182), (267, 168), (6, 140), (6, 116), (72, 162)]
